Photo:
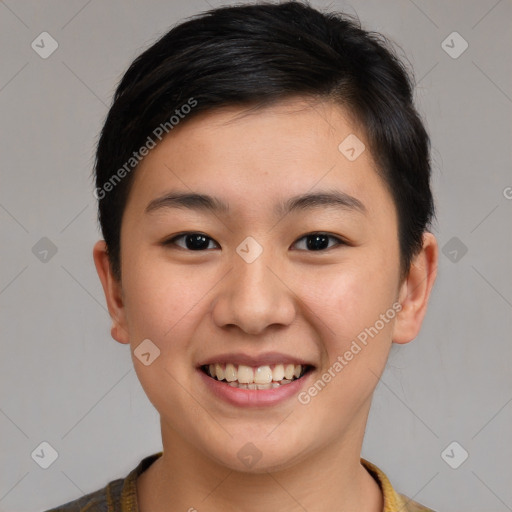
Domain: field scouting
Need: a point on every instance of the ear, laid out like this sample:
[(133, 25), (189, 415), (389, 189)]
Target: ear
[(415, 291), (113, 293)]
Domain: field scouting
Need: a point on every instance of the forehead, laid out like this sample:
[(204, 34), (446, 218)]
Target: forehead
[(254, 158)]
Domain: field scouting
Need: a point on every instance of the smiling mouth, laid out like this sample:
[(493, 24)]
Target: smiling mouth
[(260, 377)]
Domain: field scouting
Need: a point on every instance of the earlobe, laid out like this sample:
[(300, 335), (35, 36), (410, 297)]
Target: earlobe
[(113, 293), (415, 291)]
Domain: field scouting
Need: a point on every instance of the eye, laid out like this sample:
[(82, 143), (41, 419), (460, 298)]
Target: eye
[(200, 242), (193, 241), (320, 241)]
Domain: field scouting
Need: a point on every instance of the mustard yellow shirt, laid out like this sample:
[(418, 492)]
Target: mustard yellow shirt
[(121, 495)]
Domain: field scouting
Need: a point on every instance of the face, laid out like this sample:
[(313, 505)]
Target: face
[(298, 272)]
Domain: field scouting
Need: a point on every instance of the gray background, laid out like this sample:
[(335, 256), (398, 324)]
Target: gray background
[(66, 382)]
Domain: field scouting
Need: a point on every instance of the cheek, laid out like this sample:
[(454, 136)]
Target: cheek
[(156, 302), (166, 302), (163, 306), (355, 339), (148, 303), (350, 298)]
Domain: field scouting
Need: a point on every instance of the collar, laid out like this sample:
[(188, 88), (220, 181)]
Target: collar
[(393, 501)]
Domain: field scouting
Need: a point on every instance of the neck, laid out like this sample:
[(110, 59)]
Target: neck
[(183, 479)]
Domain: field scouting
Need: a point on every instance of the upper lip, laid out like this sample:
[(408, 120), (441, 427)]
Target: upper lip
[(267, 358)]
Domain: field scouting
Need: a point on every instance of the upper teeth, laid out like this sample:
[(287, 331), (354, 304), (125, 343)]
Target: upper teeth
[(258, 375)]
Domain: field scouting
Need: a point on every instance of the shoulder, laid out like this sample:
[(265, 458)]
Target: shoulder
[(413, 506), (97, 501), (120, 494)]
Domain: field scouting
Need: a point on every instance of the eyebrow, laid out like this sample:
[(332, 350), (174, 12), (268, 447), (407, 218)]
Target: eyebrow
[(303, 202)]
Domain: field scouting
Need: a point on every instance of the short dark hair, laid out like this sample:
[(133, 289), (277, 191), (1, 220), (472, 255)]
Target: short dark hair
[(257, 55)]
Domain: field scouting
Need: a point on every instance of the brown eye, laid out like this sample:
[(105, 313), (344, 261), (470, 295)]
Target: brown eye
[(319, 241), (192, 241)]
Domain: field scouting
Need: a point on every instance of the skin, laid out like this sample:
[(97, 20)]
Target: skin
[(306, 303)]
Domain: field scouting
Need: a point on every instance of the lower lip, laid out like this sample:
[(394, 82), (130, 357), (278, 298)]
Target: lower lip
[(253, 397)]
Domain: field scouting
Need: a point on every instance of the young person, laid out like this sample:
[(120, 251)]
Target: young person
[(263, 188)]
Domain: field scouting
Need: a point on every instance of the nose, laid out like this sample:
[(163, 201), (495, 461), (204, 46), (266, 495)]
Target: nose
[(254, 296)]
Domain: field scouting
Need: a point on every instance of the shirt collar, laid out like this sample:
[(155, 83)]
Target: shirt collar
[(393, 501)]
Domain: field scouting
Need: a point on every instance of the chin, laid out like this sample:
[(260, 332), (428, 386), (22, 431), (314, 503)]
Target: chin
[(257, 454)]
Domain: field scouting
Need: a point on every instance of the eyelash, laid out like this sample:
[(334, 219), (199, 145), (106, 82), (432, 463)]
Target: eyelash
[(171, 241)]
